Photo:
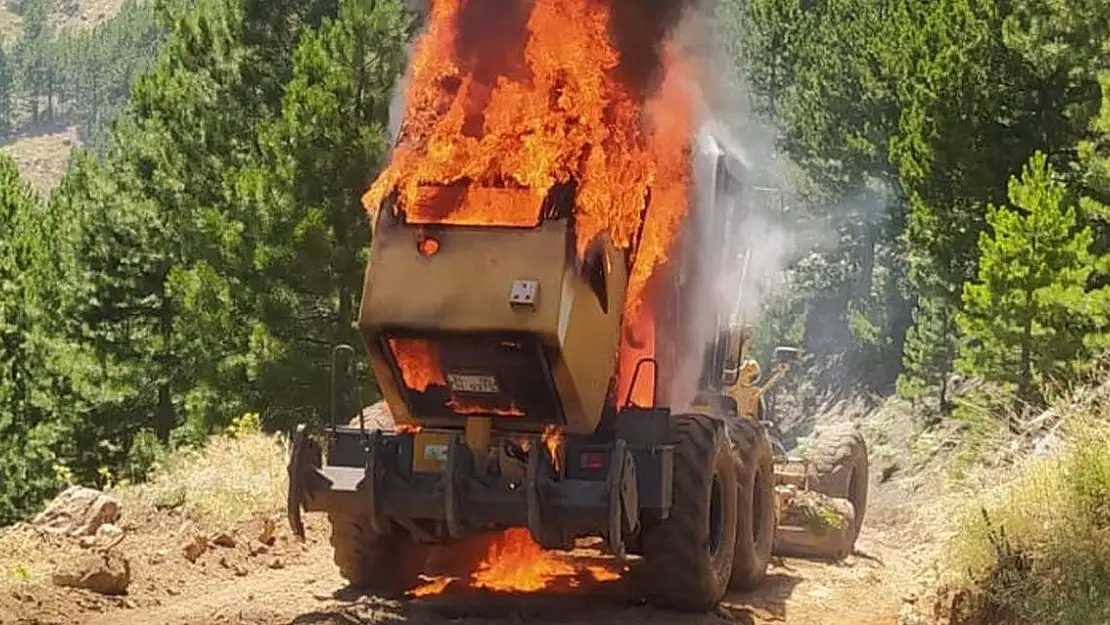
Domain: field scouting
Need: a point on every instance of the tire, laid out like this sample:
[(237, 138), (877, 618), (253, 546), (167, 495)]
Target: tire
[(387, 564), (839, 467), (370, 561), (755, 530), (688, 556)]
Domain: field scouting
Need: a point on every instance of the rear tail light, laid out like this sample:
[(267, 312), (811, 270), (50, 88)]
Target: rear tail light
[(594, 461)]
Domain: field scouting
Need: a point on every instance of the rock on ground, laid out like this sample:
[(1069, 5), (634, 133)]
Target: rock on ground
[(813, 525), (107, 574), (194, 548), (78, 511), (106, 536)]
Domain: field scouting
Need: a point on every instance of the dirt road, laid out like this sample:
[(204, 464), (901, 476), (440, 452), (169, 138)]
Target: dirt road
[(867, 589)]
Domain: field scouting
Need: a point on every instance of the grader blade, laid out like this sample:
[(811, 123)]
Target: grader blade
[(821, 500)]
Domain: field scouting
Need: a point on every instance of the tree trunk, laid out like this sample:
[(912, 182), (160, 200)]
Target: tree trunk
[(166, 420), (946, 364), (1026, 392)]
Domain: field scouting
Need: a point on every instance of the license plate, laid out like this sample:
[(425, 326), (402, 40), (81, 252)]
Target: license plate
[(437, 453), (473, 383)]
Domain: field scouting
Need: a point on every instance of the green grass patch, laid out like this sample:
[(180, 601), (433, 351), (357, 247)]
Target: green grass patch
[(982, 416), (822, 520)]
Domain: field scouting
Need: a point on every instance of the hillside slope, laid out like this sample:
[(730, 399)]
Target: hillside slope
[(42, 151)]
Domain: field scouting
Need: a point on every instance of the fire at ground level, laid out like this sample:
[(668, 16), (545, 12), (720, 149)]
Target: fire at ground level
[(514, 563)]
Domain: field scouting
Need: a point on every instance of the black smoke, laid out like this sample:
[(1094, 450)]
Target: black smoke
[(491, 37), (639, 29)]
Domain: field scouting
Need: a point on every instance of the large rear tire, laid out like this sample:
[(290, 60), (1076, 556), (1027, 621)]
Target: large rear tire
[(688, 556), (755, 532), (368, 560), (839, 467), (387, 564)]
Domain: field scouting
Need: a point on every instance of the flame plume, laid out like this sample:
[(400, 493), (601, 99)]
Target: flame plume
[(567, 119)]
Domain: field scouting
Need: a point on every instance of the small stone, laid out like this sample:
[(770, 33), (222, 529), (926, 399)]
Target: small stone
[(194, 548), (158, 557), (276, 563), (223, 539), (240, 571), (258, 549), (224, 563), (87, 542), (108, 532)]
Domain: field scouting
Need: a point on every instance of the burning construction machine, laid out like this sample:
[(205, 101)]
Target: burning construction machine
[(497, 350)]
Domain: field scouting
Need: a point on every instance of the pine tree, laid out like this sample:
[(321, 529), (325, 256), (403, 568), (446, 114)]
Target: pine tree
[(1027, 315), (28, 436), (328, 144), (1094, 179), (929, 351)]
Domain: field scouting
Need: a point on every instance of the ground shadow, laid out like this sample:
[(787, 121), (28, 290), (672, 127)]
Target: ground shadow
[(584, 601), (326, 617), (766, 602), (863, 555)]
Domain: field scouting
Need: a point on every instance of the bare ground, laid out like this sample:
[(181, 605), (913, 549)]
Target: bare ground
[(296, 583), (67, 14), (867, 589), (43, 155)]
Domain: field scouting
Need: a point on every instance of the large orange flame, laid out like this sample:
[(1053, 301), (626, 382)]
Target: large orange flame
[(418, 361), (568, 120)]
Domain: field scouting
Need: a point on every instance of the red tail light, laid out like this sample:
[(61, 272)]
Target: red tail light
[(594, 461)]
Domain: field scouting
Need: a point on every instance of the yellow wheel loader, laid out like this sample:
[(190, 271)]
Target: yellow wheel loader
[(486, 339)]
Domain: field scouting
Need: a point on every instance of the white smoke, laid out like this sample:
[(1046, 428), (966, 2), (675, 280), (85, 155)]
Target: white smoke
[(397, 104), (762, 240)]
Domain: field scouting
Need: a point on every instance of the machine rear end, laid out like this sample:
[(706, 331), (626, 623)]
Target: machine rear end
[(495, 348), (499, 322)]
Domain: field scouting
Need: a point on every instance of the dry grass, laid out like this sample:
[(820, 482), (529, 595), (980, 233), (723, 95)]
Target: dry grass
[(1035, 548), (21, 556), (230, 480), (234, 479)]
